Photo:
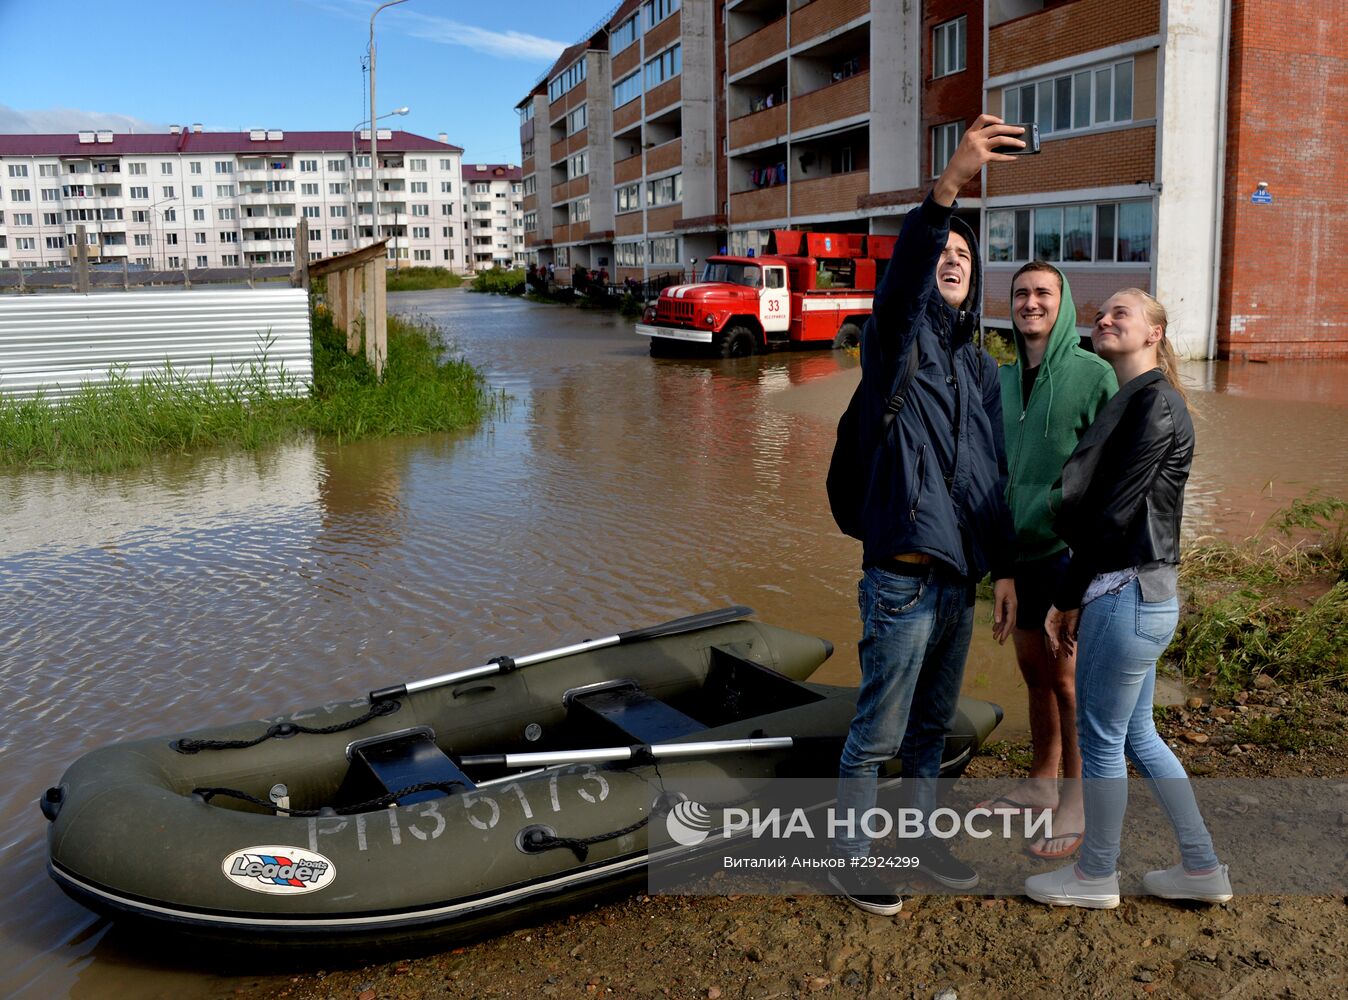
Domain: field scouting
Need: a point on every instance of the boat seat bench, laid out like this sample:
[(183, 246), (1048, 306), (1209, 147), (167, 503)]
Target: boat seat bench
[(406, 759), (634, 713)]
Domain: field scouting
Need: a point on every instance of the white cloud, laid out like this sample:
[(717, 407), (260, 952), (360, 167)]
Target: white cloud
[(506, 44), (57, 120)]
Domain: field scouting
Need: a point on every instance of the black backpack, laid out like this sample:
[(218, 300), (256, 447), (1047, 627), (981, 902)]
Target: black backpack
[(847, 469)]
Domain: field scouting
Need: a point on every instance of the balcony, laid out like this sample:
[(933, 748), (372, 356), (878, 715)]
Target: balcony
[(629, 224), (763, 44), (661, 97), (661, 220), (760, 126), (265, 174), (833, 103), (627, 115), (838, 193), (558, 151), (666, 156), (753, 206), (822, 16), (627, 170)]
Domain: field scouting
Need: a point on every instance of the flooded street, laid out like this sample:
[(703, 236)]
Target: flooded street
[(616, 491)]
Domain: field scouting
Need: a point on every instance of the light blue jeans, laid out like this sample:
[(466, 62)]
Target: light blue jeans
[(1120, 640), (914, 640)]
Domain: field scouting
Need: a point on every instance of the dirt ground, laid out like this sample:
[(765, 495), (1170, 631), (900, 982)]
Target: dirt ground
[(942, 947)]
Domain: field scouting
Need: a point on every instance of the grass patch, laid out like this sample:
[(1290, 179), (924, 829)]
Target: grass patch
[(124, 423), (1293, 729), (1277, 605), (418, 279), (1018, 755), (499, 281)]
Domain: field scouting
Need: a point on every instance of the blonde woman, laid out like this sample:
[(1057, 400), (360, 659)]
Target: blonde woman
[(1122, 499)]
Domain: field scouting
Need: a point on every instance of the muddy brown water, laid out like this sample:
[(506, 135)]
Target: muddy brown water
[(616, 491)]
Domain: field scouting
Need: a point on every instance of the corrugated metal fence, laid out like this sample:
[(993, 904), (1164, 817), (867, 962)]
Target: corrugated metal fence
[(53, 343)]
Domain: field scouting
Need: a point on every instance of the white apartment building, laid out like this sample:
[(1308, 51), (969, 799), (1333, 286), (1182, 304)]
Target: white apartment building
[(189, 198), (493, 216)]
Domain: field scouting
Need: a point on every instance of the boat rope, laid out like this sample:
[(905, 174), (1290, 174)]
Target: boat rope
[(369, 805), (283, 730), (540, 840)]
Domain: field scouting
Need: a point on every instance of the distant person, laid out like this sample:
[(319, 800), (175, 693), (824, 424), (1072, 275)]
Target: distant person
[(934, 518), (1117, 607), (1050, 395)]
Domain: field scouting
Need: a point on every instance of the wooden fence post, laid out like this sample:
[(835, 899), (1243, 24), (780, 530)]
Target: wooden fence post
[(299, 275), (126, 274)]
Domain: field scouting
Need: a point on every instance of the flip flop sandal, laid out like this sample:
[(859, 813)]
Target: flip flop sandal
[(1074, 844)]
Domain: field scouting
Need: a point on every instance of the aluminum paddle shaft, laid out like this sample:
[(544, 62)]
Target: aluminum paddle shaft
[(505, 664), (604, 755)]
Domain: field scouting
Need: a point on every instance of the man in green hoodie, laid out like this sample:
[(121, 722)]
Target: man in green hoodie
[(1050, 395)]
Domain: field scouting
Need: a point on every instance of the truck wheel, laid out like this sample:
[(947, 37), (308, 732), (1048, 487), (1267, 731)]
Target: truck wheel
[(849, 335), (739, 342)]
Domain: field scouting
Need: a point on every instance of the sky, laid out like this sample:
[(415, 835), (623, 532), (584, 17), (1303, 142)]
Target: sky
[(141, 65)]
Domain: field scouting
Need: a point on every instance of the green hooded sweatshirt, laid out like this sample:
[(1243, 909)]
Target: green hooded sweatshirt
[(1042, 431)]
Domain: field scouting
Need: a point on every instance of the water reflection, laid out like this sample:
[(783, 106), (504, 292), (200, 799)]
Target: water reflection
[(616, 491)]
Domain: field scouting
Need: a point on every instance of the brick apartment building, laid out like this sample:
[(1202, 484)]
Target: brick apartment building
[(676, 129)]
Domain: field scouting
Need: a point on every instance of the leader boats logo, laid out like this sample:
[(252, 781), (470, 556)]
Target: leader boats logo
[(278, 870)]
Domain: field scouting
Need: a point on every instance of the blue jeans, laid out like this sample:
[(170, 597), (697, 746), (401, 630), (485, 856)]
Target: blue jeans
[(1120, 640), (914, 640)]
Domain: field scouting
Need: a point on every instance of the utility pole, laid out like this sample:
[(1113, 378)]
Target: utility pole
[(374, 125)]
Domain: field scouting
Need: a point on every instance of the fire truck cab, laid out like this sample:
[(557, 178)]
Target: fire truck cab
[(808, 289)]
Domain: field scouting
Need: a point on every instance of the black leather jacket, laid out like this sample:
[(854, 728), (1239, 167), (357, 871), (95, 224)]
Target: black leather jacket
[(1123, 487)]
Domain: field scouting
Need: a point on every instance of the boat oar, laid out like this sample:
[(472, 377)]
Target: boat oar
[(505, 664), (604, 755)]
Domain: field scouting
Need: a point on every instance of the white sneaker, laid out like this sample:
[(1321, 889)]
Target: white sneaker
[(1064, 888), (1176, 883)]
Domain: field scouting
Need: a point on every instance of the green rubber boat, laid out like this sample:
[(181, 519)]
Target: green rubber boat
[(454, 806)]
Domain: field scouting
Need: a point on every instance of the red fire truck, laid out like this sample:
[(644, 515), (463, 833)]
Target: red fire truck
[(809, 288)]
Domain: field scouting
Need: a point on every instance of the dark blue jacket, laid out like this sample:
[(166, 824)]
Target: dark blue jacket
[(937, 478)]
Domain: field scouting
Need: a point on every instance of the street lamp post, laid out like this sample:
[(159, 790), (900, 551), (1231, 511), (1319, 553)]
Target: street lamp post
[(374, 131), (355, 201)]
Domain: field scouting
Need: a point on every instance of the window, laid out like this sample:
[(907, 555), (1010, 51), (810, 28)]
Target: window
[(530, 185), (446, 187), (664, 190), (224, 166), (166, 168), (140, 215), (481, 188), (25, 243), (141, 239), (948, 48), (448, 164), (18, 170), (421, 232), (627, 89), (198, 215), (419, 187), (665, 250), (312, 211), (337, 166), (530, 222), (421, 255), (224, 190), (447, 231), (20, 194), (658, 10), (175, 262), (340, 234), (135, 169), (623, 35), (224, 214), (229, 237), (53, 218), (56, 242), (54, 194), (198, 237), (335, 211), (339, 188), (140, 192), (944, 140), (1078, 100), (195, 166), (229, 259), (308, 166), (578, 210), (421, 209), (201, 260), (577, 166), (416, 164), (48, 170), (198, 191), (171, 239), (563, 82), (446, 209), (1081, 233), (170, 215), (309, 189), (665, 66), (23, 218), (363, 161), (575, 120)]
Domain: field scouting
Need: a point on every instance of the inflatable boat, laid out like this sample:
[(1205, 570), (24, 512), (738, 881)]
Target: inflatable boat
[(452, 804)]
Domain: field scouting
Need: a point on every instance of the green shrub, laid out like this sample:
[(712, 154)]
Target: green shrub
[(499, 281), (416, 279)]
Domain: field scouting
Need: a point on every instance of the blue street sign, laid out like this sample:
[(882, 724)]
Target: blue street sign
[(1261, 198)]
